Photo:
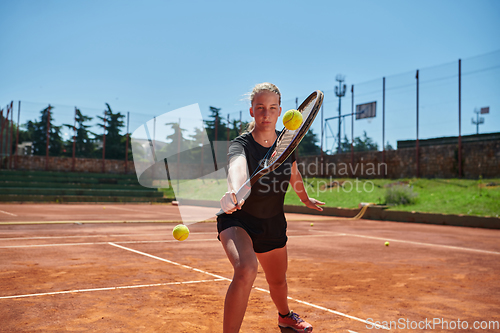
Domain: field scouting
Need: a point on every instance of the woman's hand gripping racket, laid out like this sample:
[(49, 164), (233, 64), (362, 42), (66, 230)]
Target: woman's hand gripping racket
[(285, 144)]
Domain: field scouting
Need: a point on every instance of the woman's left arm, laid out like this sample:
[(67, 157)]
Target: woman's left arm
[(298, 186)]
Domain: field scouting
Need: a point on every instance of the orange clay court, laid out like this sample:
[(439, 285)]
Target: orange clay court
[(117, 268)]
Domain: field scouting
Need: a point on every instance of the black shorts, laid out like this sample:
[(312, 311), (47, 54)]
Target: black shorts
[(266, 234)]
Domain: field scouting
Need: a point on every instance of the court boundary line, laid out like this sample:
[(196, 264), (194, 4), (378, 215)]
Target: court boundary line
[(256, 288), (136, 242), (109, 288)]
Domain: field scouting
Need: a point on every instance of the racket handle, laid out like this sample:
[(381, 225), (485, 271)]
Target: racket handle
[(242, 193)]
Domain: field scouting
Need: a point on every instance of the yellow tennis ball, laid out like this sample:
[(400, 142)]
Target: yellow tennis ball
[(312, 224), (292, 119), (180, 232), (386, 243)]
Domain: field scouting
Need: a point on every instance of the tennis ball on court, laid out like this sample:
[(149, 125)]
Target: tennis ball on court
[(180, 232), (292, 119), (386, 243), (312, 224)]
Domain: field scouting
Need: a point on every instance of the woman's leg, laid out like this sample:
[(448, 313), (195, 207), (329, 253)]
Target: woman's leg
[(275, 264), (239, 250)]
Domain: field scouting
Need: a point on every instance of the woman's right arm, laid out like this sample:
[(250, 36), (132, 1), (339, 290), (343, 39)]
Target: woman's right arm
[(237, 176)]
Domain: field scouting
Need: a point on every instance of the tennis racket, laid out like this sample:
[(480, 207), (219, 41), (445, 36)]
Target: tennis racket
[(285, 144)]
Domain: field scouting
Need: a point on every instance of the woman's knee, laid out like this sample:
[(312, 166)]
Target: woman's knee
[(246, 271)]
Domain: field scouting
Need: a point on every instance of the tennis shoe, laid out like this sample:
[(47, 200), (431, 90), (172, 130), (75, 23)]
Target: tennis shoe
[(294, 322)]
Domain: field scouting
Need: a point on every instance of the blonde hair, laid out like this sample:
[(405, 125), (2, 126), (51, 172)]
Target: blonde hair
[(260, 87)]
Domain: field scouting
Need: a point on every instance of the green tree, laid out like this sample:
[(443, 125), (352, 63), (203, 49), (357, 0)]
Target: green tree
[(217, 122), (38, 133), (365, 143), (84, 146), (308, 144), (115, 143)]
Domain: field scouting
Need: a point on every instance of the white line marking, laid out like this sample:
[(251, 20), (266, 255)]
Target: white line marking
[(256, 288), (425, 244), (168, 261), (1, 211), (351, 331), (94, 236), (100, 243), (109, 288)]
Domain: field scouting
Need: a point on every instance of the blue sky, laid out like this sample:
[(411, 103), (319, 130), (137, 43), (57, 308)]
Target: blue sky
[(150, 57)]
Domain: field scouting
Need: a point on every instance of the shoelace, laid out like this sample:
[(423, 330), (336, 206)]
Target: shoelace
[(296, 317)]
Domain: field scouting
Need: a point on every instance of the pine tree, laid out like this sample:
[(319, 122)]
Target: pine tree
[(38, 130), (115, 143), (84, 146)]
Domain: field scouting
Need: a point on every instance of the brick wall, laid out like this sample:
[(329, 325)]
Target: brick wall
[(438, 161)]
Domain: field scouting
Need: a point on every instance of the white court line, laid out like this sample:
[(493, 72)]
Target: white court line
[(256, 288), (1, 211), (100, 243), (146, 241), (351, 331), (108, 288), (89, 236), (425, 244)]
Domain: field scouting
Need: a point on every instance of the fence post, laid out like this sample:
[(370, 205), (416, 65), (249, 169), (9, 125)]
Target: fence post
[(417, 143), (1, 137), (17, 136), (126, 144), (352, 130), (383, 127), (48, 138), (11, 133), (74, 142), (104, 143), (459, 118)]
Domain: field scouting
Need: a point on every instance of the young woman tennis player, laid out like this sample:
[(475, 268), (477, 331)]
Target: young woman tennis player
[(255, 228)]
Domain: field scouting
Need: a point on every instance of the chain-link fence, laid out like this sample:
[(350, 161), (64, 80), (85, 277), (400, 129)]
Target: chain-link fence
[(410, 107)]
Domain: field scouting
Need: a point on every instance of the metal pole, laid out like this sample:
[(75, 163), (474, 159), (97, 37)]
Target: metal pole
[(104, 144), (417, 143), (1, 136), (5, 142), (48, 138), (17, 134), (352, 127), (340, 121), (74, 142), (383, 126), (459, 118), (126, 143), (228, 132), (11, 132), (215, 139), (322, 160), (179, 137)]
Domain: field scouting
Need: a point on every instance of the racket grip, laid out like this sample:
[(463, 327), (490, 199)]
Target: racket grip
[(242, 193)]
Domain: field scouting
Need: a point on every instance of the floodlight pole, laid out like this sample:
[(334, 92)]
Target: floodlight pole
[(478, 120), (339, 92)]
